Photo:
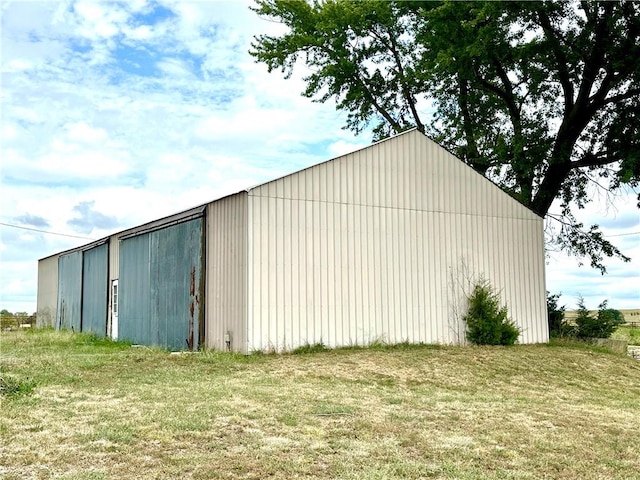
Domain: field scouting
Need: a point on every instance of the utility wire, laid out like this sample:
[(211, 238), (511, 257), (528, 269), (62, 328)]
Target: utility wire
[(45, 231), (87, 238), (622, 234)]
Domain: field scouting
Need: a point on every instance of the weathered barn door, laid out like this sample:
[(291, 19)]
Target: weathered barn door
[(135, 305), (69, 291), (94, 290), (161, 286)]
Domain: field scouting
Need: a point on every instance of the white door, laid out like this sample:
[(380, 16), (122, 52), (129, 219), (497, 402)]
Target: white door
[(114, 310)]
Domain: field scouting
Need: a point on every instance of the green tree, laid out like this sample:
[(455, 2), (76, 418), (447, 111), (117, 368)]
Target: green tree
[(558, 327), (601, 326), (610, 315), (487, 322), (543, 98)]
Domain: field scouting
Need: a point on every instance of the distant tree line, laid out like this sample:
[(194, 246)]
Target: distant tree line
[(10, 320)]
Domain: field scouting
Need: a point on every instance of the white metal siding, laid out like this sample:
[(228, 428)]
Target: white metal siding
[(47, 292), (226, 273), (383, 244)]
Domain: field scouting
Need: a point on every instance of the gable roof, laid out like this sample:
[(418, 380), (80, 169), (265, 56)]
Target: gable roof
[(441, 162), (428, 177)]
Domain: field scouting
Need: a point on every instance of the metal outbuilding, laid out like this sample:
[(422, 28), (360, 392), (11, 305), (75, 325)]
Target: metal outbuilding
[(383, 244)]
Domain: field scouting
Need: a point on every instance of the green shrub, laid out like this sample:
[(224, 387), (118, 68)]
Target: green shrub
[(558, 327), (601, 326), (610, 315), (510, 333), (487, 322)]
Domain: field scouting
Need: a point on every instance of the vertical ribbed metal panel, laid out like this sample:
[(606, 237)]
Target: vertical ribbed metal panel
[(384, 244), (114, 258), (69, 291), (47, 292), (226, 273), (134, 285), (95, 290), (161, 287), (177, 284)]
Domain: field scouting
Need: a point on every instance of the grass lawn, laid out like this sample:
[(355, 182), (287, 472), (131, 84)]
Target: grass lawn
[(75, 407), (628, 333)]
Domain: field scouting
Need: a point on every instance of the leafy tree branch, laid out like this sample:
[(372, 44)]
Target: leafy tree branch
[(533, 95)]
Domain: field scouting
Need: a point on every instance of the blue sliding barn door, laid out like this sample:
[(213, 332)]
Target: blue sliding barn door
[(161, 287), (69, 291), (94, 290)]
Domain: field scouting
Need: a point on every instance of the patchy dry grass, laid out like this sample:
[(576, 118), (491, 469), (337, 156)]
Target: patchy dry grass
[(103, 410)]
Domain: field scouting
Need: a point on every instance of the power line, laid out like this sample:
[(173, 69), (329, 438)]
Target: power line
[(87, 238), (45, 231), (622, 234)]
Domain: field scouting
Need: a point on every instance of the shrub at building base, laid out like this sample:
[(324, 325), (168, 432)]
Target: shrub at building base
[(487, 321)]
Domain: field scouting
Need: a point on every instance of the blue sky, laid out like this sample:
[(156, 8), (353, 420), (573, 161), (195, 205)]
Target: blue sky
[(113, 114)]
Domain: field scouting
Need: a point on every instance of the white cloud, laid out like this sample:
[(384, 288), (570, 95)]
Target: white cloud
[(95, 20), (620, 222), (26, 114), (142, 32), (83, 133), (67, 161), (175, 67), (342, 147), (17, 65)]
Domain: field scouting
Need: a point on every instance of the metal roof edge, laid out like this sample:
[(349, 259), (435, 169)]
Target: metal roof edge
[(80, 248), (387, 139), (390, 138), (176, 218), (196, 212), (478, 173), (169, 219)]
